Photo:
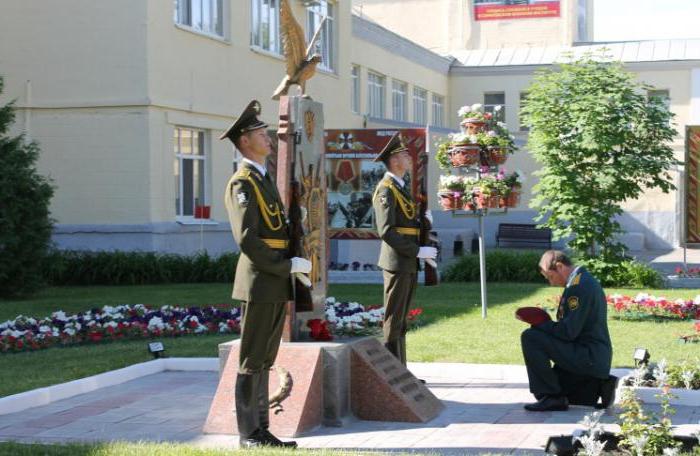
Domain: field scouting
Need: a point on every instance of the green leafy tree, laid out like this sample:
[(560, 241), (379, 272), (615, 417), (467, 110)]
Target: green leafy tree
[(600, 141), (25, 224)]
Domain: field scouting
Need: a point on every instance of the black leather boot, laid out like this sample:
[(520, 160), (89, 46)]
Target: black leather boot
[(247, 415)]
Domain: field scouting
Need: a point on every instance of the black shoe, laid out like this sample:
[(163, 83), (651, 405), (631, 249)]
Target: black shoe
[(549, 404), (607, 392), (254, 441), (271, 440)]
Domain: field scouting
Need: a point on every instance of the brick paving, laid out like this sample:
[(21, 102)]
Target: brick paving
[(483, 414)]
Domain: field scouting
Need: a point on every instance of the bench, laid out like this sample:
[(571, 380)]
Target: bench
[(522, 233)]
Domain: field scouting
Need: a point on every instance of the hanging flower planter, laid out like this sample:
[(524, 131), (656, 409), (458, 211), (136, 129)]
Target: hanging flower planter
[(496, 155), (513, 198), (469, 205), (473, 126), (450, 201), (464, 155)]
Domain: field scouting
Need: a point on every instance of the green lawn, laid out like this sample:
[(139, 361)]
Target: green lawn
[(453, 331)]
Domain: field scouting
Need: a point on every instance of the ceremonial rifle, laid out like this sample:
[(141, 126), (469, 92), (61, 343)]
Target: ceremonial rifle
[(432, 277), (302, 294)]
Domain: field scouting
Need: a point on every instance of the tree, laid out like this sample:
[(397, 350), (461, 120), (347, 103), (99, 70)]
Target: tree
[(600, 141), (25, 223)]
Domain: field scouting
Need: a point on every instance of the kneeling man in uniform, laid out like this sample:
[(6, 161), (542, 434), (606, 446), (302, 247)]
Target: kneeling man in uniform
[(578, 343)]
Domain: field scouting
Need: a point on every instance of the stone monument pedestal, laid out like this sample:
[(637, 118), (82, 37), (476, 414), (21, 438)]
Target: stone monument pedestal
[(330, 380)]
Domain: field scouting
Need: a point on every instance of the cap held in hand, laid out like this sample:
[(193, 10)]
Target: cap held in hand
[(532, 315)]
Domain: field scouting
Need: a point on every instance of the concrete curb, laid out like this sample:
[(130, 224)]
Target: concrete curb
[(49, 394)]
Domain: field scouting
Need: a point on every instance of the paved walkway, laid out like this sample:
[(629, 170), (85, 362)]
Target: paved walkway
[(484, 414)]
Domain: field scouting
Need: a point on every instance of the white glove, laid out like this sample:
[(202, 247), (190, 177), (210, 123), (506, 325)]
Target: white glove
[(300, 265), (427, 252), (431, 263), (303, 279), (429, 216)]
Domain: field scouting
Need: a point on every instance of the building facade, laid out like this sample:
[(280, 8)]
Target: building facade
[(127, 99)]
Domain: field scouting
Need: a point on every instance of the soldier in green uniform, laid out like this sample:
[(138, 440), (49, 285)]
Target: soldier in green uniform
[(398, 228), (578, 342), (262, 282)]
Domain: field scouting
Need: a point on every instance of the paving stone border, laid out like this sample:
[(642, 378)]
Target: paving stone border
[(49, 394)]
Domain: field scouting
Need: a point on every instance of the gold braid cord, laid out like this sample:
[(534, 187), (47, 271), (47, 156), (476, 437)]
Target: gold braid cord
[(407, 207), (264, 210)]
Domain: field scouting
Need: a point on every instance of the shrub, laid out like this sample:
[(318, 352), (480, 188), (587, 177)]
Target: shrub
[(501, 266), (627, 273), (65, 267), (25, 224)]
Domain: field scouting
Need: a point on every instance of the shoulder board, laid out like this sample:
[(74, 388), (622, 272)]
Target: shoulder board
[(242, 172), (576, 280)]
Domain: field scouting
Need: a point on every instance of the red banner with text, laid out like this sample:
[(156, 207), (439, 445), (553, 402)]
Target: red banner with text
[(492, 10)]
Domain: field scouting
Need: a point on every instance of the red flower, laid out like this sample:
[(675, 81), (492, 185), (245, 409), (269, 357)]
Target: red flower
[(19, 344), (414, 313), (95, 336), (192, 324), (319, 329)]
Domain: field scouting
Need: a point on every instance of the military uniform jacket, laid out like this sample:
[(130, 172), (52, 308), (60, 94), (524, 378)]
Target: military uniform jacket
[(582, 319), (397, 226), (259, 226)]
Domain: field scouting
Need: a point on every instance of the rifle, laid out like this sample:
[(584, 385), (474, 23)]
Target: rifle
[(303, 301), (432, 277)]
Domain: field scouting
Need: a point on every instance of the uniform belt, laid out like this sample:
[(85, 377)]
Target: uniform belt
[(408, 231), (276, 243)]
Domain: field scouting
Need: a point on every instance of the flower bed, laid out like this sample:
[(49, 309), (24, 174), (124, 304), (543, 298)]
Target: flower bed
[(353, 319), (115, 323), (645, 306)]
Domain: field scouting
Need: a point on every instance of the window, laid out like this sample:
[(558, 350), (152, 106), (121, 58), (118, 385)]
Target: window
[(265, 25), (420, 106), (523, 96), (355, 100), (326, 42), (376, 96), (205, 16), (438, 110), (398, 100), (491, 100), (189, 170), (662, 95)]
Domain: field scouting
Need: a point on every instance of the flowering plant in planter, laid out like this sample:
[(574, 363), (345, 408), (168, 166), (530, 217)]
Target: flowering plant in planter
[(691, 273), (354, 319), (474, 112)]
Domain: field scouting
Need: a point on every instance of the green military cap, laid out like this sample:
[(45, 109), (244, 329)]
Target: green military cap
[(247, 121), (394, 146)]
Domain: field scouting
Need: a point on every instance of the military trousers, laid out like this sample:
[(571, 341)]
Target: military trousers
[(540, 350), (261, 332), (399, 292)]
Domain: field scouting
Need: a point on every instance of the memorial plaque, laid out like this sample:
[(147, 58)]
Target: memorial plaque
[(382, 389)]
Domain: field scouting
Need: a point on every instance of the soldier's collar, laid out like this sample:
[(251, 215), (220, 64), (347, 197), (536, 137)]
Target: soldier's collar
[(398, 180), (255, 166), (572, 276)]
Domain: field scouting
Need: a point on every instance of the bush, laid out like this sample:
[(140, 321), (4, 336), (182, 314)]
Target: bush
[(65, 267), (501, 266), (25, 224), (628, 273)]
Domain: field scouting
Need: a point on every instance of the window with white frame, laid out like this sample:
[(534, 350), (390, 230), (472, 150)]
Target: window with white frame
[(420, 106), (493, 99), (355, 100), (206, 16), (326, 41), (398, 100), (376, 84), (438, 110), (189, 170), (523, 100), (265, 25)]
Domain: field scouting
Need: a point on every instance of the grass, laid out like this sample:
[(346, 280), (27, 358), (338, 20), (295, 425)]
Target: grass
[(453, 331)]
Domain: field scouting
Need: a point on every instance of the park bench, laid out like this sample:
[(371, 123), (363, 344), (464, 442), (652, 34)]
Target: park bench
[(522, 233)]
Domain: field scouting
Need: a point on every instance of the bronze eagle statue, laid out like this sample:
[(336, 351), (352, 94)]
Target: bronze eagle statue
[(301, 62)]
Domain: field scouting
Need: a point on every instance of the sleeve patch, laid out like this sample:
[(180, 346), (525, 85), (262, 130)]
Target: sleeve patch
[(243, 198), (572, 303)]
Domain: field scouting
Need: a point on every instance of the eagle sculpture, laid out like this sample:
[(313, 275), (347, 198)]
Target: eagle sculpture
[(301, 63)]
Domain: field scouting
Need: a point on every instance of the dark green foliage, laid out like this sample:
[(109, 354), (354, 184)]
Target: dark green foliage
[(600, 141), (501, 266), (25, 222), (136, 268), (626, 273)]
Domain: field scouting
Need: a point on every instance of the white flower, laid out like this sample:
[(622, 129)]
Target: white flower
[(463, 111), (60, 315), (492, 133), (478, 107), (696, 301), (44, 329), (497, 108), (69, 331), (671, 451), (155, 323)]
